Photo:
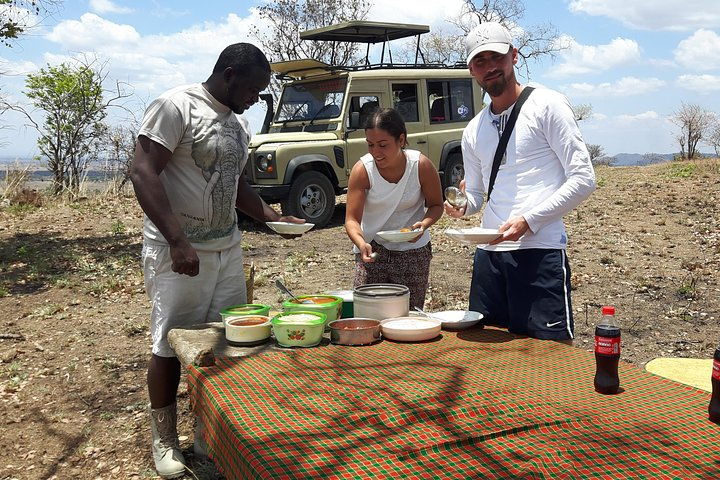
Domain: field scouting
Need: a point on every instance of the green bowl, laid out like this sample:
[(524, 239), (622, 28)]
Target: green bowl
[(243, 310), (330, 305), (299, 328)]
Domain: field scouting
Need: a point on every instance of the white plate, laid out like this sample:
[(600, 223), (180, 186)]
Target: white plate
[(457, 319), (398, 236), (288, 228), (473, 236), (410, 329)]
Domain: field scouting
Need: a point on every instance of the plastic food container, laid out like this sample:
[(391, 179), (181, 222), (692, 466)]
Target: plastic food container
[(299, 328), (245, 309), (347, 305), (381, 301), (247, 330), (354, 331), (329, 305)]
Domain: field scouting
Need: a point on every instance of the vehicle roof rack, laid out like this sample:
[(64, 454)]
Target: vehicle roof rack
[(361, 31)]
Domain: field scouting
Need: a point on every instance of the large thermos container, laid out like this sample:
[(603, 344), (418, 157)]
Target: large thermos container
[(381, 301)]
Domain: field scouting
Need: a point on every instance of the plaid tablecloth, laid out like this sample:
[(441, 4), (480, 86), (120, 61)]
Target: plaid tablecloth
[(473, 404)]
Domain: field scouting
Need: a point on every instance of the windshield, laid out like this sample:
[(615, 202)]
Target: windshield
[(311, 100)]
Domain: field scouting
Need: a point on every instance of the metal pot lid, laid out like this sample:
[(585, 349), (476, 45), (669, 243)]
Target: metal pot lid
[(381, 290)]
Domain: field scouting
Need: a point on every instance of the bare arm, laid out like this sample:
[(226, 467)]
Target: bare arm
[(149, 161), (358, 184), (432, 191), (250, 203)]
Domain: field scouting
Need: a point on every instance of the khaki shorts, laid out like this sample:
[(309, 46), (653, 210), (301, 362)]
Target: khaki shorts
[(180, 300)]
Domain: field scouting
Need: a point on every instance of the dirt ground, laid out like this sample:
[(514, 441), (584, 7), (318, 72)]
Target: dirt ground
[(74, 336)]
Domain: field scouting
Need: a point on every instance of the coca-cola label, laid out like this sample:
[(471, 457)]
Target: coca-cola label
[(607, 345), (716, 370)]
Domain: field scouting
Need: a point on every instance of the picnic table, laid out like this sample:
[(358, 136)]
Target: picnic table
[(480, 403)]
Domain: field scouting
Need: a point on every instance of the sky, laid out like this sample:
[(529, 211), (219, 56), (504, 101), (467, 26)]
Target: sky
[(634, 61)]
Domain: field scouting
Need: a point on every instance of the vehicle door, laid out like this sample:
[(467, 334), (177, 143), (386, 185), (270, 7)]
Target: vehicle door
[(360, 106), (406, 95)]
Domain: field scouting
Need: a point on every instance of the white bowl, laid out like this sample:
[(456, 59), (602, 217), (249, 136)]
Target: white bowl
[(247, 330), (289, 228), (410, 329), (398, 236), (473, 236), (457, 319)]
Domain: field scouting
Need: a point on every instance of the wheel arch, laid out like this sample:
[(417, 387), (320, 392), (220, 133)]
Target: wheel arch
[(448, 149), (304, 163)]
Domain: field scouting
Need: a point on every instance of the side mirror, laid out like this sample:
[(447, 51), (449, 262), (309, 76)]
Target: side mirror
[(269, 113)]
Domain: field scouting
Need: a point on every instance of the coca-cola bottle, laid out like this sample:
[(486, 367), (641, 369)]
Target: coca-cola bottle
[(714, 407), (607, 353)]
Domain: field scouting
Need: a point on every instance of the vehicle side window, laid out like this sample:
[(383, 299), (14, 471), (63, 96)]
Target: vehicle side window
[(450, 100), (405, 101), (365, 106)]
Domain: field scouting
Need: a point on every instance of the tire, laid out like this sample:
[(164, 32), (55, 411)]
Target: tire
[(454, 170), (311, 197)]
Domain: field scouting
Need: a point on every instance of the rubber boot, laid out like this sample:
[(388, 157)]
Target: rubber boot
[(169, 460)]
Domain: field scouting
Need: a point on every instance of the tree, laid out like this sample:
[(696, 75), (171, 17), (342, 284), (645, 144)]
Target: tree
[(595, 151), (16, 16), (287, 18), (120, 150), (71, 96), (713, 138), (582, 111), (694, 122), (438, 47), (533, 42)]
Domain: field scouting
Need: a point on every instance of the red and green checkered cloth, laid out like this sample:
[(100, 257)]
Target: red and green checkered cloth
[(473, 404)]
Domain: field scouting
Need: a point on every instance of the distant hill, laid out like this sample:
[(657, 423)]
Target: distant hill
[(630, 159)]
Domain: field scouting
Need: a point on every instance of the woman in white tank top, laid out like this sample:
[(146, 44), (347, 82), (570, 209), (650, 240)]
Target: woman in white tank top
[(392, 188)]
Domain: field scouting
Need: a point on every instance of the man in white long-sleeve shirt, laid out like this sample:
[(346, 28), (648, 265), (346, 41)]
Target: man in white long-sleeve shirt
[(521, 281)]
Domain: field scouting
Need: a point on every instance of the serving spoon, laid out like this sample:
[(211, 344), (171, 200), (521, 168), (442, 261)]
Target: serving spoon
[(455, 197), (423, 312), (281, 286)]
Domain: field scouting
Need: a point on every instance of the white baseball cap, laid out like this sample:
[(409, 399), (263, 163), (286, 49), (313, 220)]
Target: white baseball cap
[(488, 36)]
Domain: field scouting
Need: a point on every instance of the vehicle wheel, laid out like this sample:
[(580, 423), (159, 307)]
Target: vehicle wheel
[(454, 170), (311, 197)]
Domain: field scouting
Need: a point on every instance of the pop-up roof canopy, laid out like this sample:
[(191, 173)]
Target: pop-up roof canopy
[(301, 68), (364, 32), (360, 31)]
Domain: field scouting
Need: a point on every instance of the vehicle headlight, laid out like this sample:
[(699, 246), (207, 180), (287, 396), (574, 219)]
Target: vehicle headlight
[(264, 162), (264, 165)]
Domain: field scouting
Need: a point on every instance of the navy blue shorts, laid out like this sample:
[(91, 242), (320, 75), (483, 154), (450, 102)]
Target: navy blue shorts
[(525, 291)]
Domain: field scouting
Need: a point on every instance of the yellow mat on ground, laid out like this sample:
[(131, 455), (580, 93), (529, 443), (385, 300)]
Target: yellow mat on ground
[(690, 371)]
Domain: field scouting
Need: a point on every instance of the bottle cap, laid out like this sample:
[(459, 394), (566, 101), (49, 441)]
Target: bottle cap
[(607, 310)]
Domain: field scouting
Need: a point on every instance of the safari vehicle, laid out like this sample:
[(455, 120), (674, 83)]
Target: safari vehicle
[(308, 146)]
